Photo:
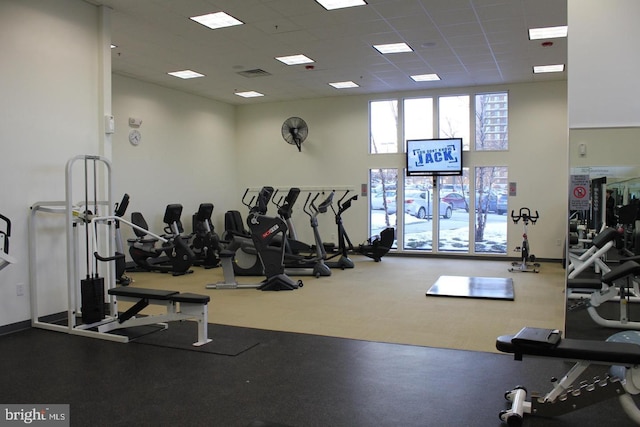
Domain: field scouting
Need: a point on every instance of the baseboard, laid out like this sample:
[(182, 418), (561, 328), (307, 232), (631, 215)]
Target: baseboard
[(15, 327), (466, 256)]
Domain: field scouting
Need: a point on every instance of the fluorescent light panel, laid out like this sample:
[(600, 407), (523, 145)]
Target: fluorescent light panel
[(216, 20), (295, 59), (537, 69), (185, 74), (339, 4), (344, 85), (392, 48), (426, 77), (249, 94), (548, 32)]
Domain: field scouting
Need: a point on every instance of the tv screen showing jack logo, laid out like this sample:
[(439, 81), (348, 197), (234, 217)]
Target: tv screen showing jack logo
[(34, 415), (429, 157)]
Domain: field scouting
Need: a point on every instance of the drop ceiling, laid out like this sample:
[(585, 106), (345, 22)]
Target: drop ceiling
[(465, 42)]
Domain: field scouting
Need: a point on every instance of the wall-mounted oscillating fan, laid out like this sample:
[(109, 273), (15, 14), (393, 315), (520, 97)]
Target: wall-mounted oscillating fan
[(295, 131)]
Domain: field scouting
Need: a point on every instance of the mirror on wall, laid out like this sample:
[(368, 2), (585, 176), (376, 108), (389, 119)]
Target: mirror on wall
[(604, 219)]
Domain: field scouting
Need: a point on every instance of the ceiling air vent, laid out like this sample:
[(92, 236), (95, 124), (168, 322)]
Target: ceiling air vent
[(254, 73)]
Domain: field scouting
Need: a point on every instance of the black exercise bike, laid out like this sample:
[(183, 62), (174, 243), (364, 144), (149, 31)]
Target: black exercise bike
[(527, 262)]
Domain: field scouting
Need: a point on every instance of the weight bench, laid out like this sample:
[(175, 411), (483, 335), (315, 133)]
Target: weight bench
[(621, 352), (179, 306)]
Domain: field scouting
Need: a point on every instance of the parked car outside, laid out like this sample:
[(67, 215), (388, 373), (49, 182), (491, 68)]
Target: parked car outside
[(377, 202), (487, 202), (503, 204), (457, 201), (420, 205)]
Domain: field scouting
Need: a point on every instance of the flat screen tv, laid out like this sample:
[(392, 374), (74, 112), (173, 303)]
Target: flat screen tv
[(434, 157)]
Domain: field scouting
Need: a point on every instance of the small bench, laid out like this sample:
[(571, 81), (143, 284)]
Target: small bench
[(597, 352), (179, 306), (621, 353)]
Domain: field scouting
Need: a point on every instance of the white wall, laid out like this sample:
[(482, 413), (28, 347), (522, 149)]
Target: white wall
[(603, 63), (48, 114), (187, 154), (336, 155)]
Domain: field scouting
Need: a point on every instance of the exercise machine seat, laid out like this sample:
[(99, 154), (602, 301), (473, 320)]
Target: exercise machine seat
[(379, 246)]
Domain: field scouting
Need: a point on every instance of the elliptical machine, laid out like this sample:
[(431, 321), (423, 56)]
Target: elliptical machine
[(298, 264), (264, 231), (527, 262), (343, 250)]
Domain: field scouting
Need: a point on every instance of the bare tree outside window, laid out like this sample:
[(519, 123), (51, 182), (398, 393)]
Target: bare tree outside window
[(491, 134)]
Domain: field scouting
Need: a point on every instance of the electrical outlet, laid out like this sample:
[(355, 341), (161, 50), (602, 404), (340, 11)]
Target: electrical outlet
[(558, 242), (20, 289)]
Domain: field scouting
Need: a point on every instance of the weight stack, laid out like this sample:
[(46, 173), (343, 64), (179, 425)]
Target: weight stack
[(92, 292)]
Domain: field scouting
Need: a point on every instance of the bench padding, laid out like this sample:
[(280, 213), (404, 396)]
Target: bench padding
[(126, 291), (191, 298), (625, 269), (572, 349)]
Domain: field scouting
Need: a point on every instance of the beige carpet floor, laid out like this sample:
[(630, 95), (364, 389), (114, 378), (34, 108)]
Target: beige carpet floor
[(385, 302)]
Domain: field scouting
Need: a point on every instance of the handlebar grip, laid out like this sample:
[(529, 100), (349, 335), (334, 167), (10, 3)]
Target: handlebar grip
[(108, 258)]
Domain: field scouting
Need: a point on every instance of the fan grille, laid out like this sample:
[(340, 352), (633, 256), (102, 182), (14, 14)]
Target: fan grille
[(295, 131)]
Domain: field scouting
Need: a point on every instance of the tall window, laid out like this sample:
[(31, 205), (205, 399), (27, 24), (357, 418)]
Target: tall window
[(383, 126), (383, 199), (453, 234), (491, 207), (492, 118), (418, 118), (446, 214), (453, 114)]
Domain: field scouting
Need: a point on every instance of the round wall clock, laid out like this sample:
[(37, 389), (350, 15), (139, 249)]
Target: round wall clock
[(135, 137)]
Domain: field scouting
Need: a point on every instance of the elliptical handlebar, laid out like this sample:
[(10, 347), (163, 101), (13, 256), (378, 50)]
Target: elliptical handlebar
[(309, 206), (250, 203), (273, 198), (343, 206)]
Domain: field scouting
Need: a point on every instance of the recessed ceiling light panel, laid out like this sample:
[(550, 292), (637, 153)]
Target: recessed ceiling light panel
[(186, 74), (548, 32), (393, 48), (295, 59), (249, 94), (548, 68), (344, 85), (216, 20), (339, 4), (425, 77)]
